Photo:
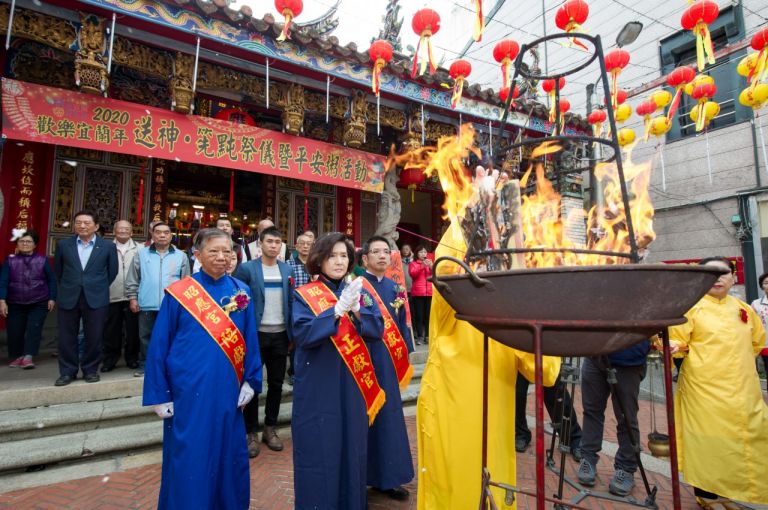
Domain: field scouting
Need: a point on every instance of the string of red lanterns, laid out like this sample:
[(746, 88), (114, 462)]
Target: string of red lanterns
[(380, 53), (426, 23), (289, 9), (569, 18)]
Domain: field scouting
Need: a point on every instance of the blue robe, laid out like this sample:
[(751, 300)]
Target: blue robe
[(205, 457), (390, 464), (329, 423)]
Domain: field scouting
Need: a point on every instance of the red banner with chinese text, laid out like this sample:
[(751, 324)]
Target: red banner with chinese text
[(49, 115)]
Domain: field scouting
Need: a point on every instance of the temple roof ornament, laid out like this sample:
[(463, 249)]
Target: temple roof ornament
[(392, 23), (324, 24)]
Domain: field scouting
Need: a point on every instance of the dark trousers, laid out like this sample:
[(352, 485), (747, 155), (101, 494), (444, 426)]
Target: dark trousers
[(146, 323), (420, 306), (595, 391), (291, 361), (274, 356), (69, 327), (25, 328), (554, 408), (122, 329), (765, 366)]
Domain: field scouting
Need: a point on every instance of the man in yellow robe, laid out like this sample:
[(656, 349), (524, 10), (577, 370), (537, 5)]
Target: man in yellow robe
[(449, 410), (721, 418)]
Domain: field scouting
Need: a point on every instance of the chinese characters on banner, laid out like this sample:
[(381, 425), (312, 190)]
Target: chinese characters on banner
[(56, 116), (159, 187), (348, 202), (269, 197), (24, 191)]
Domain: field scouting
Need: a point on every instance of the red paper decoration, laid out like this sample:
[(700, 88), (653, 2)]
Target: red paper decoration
[(760, 43), (235, 115), (505, 52), (380, 53), (679, 78), (645, 110), (569, 18), (615, 62), (702, 93), (411, 177), (549, 87), (697, 18), (459, 71), (289, 9), (479, 21), (426, 23)]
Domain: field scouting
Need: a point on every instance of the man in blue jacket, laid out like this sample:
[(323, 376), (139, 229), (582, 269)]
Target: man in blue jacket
[(85, 265), (153, 269), (629, 367), (271, 284)]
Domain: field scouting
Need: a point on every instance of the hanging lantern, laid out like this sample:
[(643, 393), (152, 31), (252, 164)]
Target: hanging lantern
[(479, 21), (699, 113), (411, 177), (289, 9), (459, 71), (645, 110), (236, 116), (659, 126), (380, 53), (569, 18), (615, 62), (565, 105), (697, 18), (505, 52), (760, 43), (747, 66), (626, 136), (596, 119), (504, 95), (700, 79), (754, 98), (678, 79), (623, 112), (661, 98), (426, 23), (548, 86)]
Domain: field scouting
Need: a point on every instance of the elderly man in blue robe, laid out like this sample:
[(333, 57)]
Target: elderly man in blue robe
[(390, 464), (203, 366)]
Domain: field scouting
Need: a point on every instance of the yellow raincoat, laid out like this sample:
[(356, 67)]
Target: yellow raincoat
[(721, 418), (449, 410)]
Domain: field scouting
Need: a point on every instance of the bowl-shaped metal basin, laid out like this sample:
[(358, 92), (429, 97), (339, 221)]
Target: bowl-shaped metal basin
[(626, 293)]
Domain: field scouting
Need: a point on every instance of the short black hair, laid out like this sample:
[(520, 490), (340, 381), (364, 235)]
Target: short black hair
[(718, 258), (762, 279), (271, 231), (30, 233), (374, 239), (86, 212), (322, 249)]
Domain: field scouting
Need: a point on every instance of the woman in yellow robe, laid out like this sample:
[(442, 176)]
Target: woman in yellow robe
[(721, 418), (449, 409)]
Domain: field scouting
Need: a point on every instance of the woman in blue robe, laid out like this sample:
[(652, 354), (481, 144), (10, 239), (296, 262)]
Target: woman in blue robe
[(205, 458), (390, 464), (330, 423)]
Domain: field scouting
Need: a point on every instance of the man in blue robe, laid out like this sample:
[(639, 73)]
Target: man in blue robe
[(390, 464), (194, 384), (330, 422)]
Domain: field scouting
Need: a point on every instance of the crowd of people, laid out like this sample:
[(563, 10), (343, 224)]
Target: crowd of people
[(201, 327)]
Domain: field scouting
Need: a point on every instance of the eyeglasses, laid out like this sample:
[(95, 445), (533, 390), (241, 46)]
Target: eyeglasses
[(25, 241)]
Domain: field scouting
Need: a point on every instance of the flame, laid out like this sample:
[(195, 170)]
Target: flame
[(541, 213)]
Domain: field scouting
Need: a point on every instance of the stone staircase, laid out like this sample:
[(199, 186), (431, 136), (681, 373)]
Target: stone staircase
[(49, 435)]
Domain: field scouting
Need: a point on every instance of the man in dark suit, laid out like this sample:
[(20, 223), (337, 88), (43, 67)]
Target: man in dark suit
[(271, 282), (85, 266)]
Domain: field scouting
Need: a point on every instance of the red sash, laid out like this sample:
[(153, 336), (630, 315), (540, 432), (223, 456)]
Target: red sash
[(196, 300), (393, 339), (350, 346)]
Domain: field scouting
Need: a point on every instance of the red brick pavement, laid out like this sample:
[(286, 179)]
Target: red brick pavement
[(272, 487)]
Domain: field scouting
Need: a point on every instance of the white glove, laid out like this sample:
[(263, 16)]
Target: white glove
[(350, 297), (164, 410), (246, 394)]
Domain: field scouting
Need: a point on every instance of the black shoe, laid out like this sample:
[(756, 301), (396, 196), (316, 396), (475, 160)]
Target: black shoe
[(94, 377), (64, 380), (398, 493), (521, 444), (133, 365), (107, 368), (576, 452)]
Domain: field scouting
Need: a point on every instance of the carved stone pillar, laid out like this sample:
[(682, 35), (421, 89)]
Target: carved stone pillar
[(90, 68), (181, 83), (293, 112), (355, 123)]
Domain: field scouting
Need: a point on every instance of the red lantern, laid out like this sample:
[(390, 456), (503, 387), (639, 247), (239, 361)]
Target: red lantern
[(621, 96), (504, 95), (426, 23), (570, 16), (549, 87), (459, 71), (697, 18), (565, 105), (702, 94), (678, 78), (615, 61), (411, 177), (380, 53), (646, 109), (760, 43), (236, 116), (479, 21), (505, 52), (596, 119), (289, 9)]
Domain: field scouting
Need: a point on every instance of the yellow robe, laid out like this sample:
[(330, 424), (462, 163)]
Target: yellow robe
[(449, 409), (721, 418)]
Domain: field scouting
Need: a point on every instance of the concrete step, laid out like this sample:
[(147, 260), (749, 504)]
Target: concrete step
[(109, 432)]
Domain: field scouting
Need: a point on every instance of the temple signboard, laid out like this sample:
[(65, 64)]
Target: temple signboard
[(49, 115)]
